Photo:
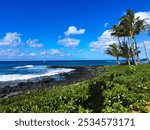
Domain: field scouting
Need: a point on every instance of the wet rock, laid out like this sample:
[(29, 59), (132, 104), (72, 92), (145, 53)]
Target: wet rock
[(79, 74)]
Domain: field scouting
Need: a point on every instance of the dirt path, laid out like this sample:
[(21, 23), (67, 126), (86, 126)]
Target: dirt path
[(148, 106)]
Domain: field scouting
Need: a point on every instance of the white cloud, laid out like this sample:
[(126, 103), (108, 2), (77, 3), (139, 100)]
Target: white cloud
[(103, 42), (43, 53), (32, 54), (106, 25), (11, 53), (52, 52), (69, 42), (72, 30), (11, 39), (144, 15), (34, 43)]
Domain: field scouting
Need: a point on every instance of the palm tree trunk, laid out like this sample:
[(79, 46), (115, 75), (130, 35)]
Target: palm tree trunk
[(118, 61), (136, 47), (133, 51), (145, 48), (129, 44), (128, 61), (119, 41), (133, 61), (124, 38)]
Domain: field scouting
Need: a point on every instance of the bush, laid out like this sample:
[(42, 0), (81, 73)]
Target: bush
[(131, 69), (121, 89)]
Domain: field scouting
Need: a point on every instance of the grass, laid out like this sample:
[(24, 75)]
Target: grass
[(121, 89)]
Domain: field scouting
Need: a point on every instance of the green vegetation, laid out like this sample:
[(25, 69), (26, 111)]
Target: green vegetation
[(129, 26), (113, 50), (121, 89)]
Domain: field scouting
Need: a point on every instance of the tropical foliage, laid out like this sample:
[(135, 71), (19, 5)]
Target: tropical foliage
[(121, 89), (113, 50), (129, 26)]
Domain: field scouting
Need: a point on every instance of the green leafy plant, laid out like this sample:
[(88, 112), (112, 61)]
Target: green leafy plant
[(116, 91), (131, 69)]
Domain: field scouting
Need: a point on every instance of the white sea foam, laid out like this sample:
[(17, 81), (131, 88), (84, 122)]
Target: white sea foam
[(12, 77), (22, 67)]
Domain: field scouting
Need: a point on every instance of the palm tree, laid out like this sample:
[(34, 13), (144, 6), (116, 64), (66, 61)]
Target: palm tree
[(125, 52), (143, 25), (119, 31), (126, 30), (116, 32), (132, 27), (113, 50), (127, 21)]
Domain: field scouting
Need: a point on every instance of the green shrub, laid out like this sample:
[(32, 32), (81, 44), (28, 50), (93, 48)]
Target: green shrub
[(121, 89), (131, 69)]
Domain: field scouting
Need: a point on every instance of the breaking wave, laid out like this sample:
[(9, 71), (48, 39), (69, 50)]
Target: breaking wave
[(50, 72), (22, 67)]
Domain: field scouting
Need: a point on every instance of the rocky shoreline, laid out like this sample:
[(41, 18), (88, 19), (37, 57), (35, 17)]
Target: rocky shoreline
[(80, 73)]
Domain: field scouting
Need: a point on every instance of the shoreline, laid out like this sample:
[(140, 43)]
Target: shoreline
[(79, 74)]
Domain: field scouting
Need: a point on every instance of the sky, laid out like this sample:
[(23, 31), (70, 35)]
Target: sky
[(63, 29)]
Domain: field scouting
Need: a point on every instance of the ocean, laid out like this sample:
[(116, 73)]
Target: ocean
[(25, 70)]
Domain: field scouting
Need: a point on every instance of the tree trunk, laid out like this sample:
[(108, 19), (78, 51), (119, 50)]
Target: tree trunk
[(136, 47), (118, 61), (119, 41), (124, 38), (133, 51), (128, 61), (145, 48), (129, 44)]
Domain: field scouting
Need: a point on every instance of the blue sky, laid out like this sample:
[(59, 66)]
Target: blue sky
[(63, 29)]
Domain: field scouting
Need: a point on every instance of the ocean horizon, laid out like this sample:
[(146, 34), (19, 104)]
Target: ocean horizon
[(25, 70)]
